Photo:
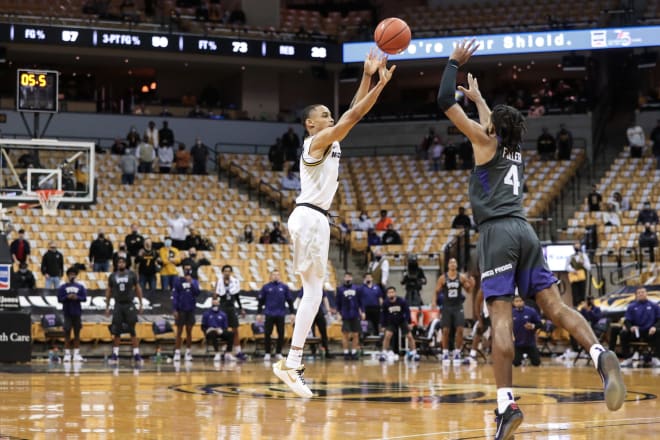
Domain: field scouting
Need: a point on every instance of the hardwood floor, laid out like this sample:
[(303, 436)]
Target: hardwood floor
[(356, 400)]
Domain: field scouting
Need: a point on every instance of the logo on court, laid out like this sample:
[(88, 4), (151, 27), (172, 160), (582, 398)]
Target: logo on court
[(417, 394)]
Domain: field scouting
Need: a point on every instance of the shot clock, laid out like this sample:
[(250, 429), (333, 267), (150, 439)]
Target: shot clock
[(37, 90)]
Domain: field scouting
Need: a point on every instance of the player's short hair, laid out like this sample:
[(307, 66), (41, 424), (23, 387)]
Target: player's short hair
[(348, 273), (227, 266), (390, 288), (305, 114), (72, 270), (121, 258), (509, 125)]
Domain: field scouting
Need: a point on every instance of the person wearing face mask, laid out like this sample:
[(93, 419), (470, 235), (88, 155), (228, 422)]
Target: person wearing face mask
[(148, 264), (134, 242), (194, 262), (372, 300), (526, 321), (215, 326), (349, 306), (184, 300), (379, 267), (177, 228), (100, 253), (199, 153), (363, 223), (248, 236), (578, 271), (413, 279), (169, 257), (122, 252), (23, 278), (52, 266), (71, 294), (273, 298), (123, 286), (648, 239), (228, 289), (395, 315)]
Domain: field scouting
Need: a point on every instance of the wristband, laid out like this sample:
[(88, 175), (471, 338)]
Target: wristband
[(454, 63)]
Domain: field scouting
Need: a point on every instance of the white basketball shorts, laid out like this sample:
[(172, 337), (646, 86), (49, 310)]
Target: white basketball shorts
[(310, 235)]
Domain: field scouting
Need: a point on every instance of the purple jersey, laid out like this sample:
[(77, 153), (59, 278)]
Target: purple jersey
[(524, 337), (394, 312), (349, 303), (71, 307)]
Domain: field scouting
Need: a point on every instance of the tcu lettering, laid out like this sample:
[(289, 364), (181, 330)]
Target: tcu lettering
[(71, 289), (349, 292), (394, 309)]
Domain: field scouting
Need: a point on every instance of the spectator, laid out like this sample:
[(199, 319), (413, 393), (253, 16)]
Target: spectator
[(641, 323), (133, 138), (146, 154), (134, 242), (181, 160), (165, 135), (594, 199), (413, 280), (449, 153), (545, 145), (177, 229), (265, 236), (611, 217), (71, 294), (23, 278), (248, 236), (395, 315), (196, 112), (384, 221), (636, 140), (274, 296), (345, 228), (564, 141), (391, 236), (620, 203), (578, 273), (100, 253), (194, 240), (129, 166), (536, 110), (118, 147), (655, 142), (373, 239), (237, 16), (363, 223), (462, 220), (648, 239), (228, 289), (372, 297), (200, 154), (165, 158), (380, 269), (647, 215), (291, 182), (290, 144), (169, 257), (151, 134), (52, 266), (425, 145), (466, 154), (215, 325), (194, 262), (149, 264), (436, 153), (20, 248), (276, 155), (184, 300), (121, 253), (277, 234), (526, 321), (165, 112), (349, 306)]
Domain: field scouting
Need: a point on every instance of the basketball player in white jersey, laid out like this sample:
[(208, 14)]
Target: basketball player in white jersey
[(308, 223)]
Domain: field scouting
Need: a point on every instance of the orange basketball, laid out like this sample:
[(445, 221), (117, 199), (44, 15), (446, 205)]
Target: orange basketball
[(392, 35)]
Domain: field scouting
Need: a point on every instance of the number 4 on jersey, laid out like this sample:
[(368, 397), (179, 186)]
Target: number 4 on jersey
[(511, 178)]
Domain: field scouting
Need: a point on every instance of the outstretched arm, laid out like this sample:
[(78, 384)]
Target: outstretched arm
[(371, 64)]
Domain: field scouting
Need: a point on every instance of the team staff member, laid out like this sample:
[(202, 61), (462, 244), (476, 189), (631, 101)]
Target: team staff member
[(349, 306), (71, 294), (123, 287), (395, 315), (184, 300), (215, 327), (526, 321), (274, 296), (308, 223), (227, 289), (371, 296)]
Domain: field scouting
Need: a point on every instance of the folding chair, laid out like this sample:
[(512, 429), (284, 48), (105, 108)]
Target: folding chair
[(53, 326), (545, 336)]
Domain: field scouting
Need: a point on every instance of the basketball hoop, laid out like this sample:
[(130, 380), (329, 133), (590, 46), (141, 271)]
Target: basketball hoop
[(49, 200)]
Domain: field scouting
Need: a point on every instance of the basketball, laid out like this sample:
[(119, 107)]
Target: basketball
[(392, 35)]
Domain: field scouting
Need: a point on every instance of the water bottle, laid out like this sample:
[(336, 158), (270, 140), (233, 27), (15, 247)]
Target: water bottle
[(525, 360), (158, 357)]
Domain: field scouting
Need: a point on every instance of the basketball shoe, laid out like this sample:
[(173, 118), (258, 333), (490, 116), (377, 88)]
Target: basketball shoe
[(508, 422), (293, 377), (610, 373)]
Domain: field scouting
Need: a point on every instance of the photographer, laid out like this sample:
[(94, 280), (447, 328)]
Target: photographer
[(648, 239), (413, 280), (578, 270)]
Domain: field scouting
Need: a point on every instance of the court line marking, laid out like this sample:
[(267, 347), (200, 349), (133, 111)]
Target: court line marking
[(540, 427)]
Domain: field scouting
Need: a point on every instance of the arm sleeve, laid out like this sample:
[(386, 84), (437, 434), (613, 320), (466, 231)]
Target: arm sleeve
[(447, 90), (385, 272)]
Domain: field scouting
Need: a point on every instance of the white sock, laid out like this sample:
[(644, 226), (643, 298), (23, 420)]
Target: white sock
[(353, 351), (504, 398), (76, 351), (187, 351), (294, 358), (473, 353), (177, 351), (457, 352), (595, 352), (115, 350), (346, 351), (445, 351), (67, 352), (307, 308), (414, 352), (237, 349), (136, 350)]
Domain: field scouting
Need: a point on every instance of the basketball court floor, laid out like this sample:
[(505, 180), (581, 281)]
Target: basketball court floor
[(356, 400)]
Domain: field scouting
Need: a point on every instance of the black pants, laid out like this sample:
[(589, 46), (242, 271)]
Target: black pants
[(268, 329), (373, 317), (532, 353), (322, 325), (414, 298), (578, 288), (627, 337), (227, 336)]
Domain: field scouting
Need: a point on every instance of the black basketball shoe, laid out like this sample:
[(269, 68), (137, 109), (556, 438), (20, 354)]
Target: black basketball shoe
[(610, 372), (508, 422)]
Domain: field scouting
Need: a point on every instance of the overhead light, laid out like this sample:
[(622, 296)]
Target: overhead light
[(145, 89), (153, 85)]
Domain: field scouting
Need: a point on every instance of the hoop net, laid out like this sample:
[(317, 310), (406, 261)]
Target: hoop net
[(49, 200)]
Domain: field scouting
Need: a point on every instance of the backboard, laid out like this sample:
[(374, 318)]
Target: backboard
[(29, 165)]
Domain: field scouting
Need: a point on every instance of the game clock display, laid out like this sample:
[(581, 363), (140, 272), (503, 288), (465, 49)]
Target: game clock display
[(37, 90)]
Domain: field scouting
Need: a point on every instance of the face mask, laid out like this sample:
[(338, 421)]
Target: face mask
[(168, 243), (193, 255), (378, 257), (363, 217), (348, 283), (22, 270), (215, 308)]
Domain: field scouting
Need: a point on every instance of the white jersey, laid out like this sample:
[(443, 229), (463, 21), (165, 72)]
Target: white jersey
[(319, 177)]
